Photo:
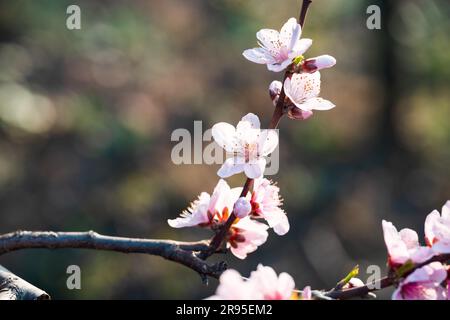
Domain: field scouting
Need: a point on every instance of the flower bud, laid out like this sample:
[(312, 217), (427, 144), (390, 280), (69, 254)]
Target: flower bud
[(242, 207), (295, 113), (318, 63), (274, 91)]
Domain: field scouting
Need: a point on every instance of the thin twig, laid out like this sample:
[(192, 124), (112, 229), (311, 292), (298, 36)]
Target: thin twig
[(379, 284), (180, 252)]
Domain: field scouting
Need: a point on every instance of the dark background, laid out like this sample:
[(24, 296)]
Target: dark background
[(86, 118)]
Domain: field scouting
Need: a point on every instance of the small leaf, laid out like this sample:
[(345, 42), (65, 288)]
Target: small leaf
[(353, 273), (404, 268)]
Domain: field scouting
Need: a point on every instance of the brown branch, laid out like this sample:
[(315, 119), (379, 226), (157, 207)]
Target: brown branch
[(303, 11), (278, 113), (180, 252), (14, 288), (388, 281)]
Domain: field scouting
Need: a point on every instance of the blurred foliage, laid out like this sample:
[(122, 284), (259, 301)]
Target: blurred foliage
[(86, 118)]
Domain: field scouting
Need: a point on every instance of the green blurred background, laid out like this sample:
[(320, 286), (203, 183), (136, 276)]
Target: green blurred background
[(86, 118)]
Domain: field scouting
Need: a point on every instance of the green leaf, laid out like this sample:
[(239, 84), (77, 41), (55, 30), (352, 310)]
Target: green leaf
[(404, 268), (348, 277)]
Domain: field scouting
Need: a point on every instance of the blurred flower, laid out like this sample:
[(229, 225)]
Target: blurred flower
[(242, 208), (403, 246), (354, 283), (315, 64), (233, 287), (263, 284), (277, 49), (437, 230), (306, 293), (423, 284), (245, 236), (266, 204), (271, 286), (303, 90), (248, 144)]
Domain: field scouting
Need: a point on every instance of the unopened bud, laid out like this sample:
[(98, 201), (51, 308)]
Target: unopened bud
[(318, 63), (274, 91), (299, 114), (242, 207)]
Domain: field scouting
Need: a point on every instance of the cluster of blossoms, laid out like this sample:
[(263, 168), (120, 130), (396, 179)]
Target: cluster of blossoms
[(431, 281), (417, 275), (248, 145), (263, 284), (285, 49), (246, 233)]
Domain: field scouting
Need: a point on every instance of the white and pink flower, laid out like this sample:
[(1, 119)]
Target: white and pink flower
[(272, 286), (437, 230), (233, 286), (266, 204), (303, 90), (403, 246), (423, 284), (277, 49), (248, 144), (245, 236), (203, 210), (263, 284)]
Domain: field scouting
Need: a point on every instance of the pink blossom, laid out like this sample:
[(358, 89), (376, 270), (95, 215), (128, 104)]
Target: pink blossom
[(315, 64), (247, 143), (403, 246), (303, 90), (206, 209), (245, 236), (233, 287), (271, 286), (306, 293), (437, 230), (277, 49), (263, 284), (423, 284), (266, 204)]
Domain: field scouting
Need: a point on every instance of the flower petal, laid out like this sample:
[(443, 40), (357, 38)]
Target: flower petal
[(409, 238), (258, 55), (290, 33), (430, 222), (231, 167), (268, 141), (302, 87), (224, 134), (280, 66), (316, 104), (255, 169), (300, 47), (269, 39)]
